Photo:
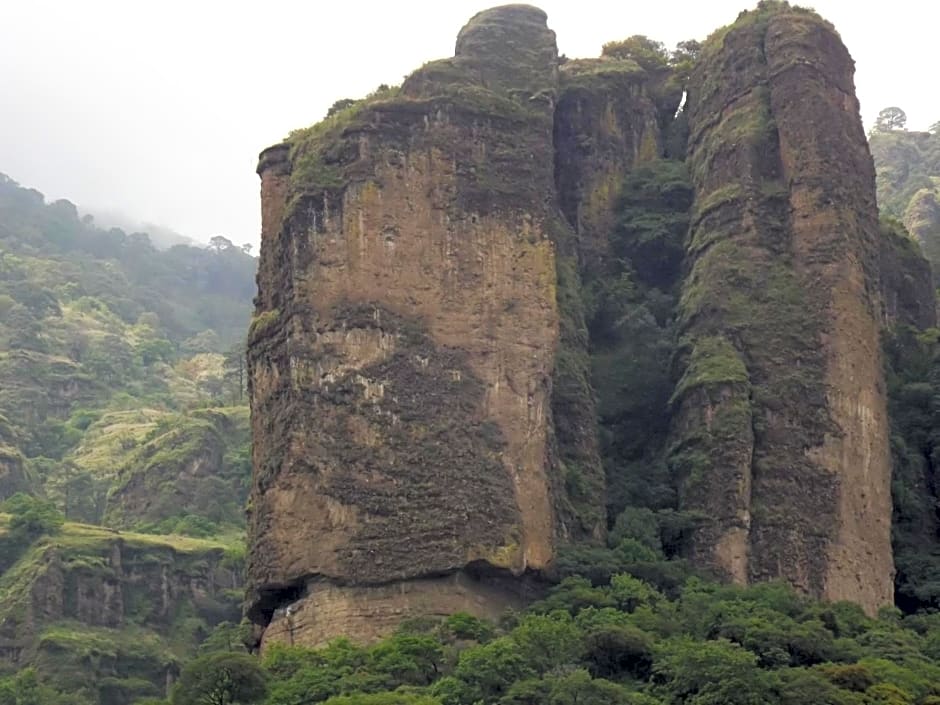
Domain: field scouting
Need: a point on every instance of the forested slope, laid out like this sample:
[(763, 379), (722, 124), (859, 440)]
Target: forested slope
[(121, 409)]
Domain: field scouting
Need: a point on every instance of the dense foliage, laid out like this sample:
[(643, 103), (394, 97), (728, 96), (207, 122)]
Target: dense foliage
[(121, 405), (908, 167), (622, 641), (108, 348), (630, 312), (913, 374)]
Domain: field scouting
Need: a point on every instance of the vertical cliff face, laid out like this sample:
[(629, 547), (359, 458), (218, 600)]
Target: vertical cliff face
[(402, 354), (605, 124), (781, 425), (447, 267)]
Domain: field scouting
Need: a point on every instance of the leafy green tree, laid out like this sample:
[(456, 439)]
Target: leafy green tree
[(226, 636), (27, 688), (648, 53), (489, 669), (394, 698), (578, 688), (614, 649), (630, 593), (890, 119), (218, 243), (223, 678), (548, 641), (710, 673), (411, 659), (32, 516), (799, 686)]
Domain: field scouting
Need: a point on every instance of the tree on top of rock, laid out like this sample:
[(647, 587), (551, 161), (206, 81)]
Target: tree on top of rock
[(648, 53), (891, 119)]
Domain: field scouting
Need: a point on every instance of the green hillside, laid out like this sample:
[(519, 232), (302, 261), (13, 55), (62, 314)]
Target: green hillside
[(122, 414)]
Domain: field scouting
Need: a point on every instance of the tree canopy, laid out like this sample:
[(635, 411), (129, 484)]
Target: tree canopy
[(891, 119)]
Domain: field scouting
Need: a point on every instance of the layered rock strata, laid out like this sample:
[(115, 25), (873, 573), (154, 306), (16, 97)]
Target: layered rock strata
[(403, 354), (425, 431), (781, 423)]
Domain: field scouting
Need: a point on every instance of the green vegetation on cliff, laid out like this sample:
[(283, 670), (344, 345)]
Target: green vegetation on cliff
[(912, 361), (908, 165), (631, 312), (104, 615)]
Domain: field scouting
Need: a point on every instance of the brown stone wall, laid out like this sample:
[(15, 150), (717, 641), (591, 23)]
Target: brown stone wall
[(783, 255), (402, 354), (367, 613)]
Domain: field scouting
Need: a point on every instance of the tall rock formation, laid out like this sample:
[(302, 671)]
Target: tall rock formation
[(420, 362), (409, 318), (781, 426)]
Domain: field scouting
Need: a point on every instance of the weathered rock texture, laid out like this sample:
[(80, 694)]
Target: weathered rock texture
[(402, 355), (781, 427), (90, 607), (425, 431), (605, 124)]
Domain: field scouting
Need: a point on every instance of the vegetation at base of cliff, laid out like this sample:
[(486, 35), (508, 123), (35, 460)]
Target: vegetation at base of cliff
[(621, 639)]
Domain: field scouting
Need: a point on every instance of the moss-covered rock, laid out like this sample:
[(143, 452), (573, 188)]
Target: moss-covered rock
[(780, 315), (192, 464), (96, 610)]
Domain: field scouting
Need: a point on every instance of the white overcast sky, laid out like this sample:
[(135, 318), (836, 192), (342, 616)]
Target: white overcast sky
[(158, 109)]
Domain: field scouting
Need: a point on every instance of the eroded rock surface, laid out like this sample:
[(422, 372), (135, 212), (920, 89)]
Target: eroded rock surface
[(425, 429), (407, 329), (782, 428)]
